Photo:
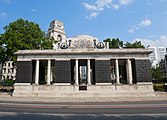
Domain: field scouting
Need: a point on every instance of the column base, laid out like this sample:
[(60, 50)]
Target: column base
[(103, 83), (61, 83), (21, 84), (144, 83)]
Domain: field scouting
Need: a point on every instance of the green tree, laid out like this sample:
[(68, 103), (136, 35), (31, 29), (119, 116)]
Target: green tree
[(114, 43), (2, 54), (22, 35), (136, 44), (157, 73), (2, 50)]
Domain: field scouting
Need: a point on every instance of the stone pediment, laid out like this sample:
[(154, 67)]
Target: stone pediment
[(82, 42)]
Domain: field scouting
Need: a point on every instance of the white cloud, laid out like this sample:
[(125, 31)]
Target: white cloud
[(131, 30), (116, 7), (100, 5), (92, 15), (142, 24), (145, 23), (33, 10), (3, 15), (89, 6), (161, 42), (125, 2), (103, 3)]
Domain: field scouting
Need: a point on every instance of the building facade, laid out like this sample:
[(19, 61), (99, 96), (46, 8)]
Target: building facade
[(83, 67), (163, 66), (8, 71), (157, 55), (57, 32)]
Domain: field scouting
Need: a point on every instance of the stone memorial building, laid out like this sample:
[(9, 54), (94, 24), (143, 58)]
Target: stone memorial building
[(82, 66)]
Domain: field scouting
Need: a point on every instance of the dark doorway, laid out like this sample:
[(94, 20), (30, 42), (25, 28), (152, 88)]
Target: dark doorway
[(92, 67), (134, 72), (82, 72), (72, 71), (33, 71), (42, 72)]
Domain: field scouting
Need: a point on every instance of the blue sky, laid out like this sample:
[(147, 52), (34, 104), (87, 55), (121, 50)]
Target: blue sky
[(128, 20)]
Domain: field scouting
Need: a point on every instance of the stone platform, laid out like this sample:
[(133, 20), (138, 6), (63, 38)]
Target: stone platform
[(86, 91)]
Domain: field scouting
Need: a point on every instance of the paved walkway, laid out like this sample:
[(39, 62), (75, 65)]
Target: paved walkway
[(7, 97)]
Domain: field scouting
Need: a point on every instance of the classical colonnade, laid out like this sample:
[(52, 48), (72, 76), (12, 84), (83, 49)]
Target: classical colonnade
[(117, 75)]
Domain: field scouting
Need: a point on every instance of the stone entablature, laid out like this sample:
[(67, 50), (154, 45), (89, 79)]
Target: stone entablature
[(83, 54), (74, 51)]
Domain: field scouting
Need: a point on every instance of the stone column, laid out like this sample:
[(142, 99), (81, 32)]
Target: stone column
[(76, 72), (48, 72), (88, 75), (117, 71), (129, 71), (37, 73)]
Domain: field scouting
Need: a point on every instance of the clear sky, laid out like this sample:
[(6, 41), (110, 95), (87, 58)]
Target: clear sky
[(128, 20)]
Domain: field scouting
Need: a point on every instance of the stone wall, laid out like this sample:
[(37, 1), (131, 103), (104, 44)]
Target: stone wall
[(143, 73), (24, 72), (62, 72), (102, 71)]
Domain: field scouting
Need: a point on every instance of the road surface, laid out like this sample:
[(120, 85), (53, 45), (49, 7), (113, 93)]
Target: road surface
[(83, 111)]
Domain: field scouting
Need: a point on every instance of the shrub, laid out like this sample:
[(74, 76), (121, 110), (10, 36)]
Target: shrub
[(8, 82), (159, 87), (164, 79), (160, 81)]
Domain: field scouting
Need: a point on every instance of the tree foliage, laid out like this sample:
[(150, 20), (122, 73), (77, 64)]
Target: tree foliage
[(114, 43), (117, 43), (22, 35), (156, 73), (2, 50), (136, 44)]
